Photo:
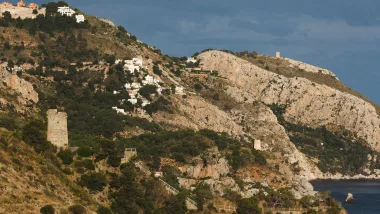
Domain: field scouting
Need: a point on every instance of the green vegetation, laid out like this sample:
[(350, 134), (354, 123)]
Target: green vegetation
[(48, 209), (94, 181), (336, 152), (66, 156), (34, 134), (77, 209), (248, 206)]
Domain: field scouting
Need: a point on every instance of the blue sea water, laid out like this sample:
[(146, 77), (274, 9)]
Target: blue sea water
[(366, 194)]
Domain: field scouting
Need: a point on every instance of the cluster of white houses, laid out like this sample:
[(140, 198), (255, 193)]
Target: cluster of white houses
[(132, 65), (70, 12), (133, 91)]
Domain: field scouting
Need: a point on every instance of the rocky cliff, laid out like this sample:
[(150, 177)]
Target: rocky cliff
[(22, 87), (307, 103)]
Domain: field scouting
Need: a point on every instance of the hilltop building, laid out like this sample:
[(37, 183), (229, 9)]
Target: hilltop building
[(21, 4), (6, 4), (80, 18), (191, 59), (66, 11), (278, 55), (33, 6)]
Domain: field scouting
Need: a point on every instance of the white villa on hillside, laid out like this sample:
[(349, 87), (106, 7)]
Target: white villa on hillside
[(191, 59), (134, 64), (133, 101), (66, 11), (119, 110), (80, 18)]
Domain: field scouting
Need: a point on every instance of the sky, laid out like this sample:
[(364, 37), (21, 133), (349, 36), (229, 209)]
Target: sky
[(340, 35)]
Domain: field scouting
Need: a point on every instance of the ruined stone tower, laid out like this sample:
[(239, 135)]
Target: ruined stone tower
[(57, 128)]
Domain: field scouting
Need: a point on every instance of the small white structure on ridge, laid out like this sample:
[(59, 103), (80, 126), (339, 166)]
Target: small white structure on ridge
[(80, 18), (66, 11), (191, 59), (278, 55)]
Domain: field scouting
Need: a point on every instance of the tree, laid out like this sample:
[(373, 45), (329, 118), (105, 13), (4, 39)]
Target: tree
[(104, 210), (85, 152), (33, 133), (94, 181), (66, 156), (248, 206), (48, 209), (77, 209), (177, 204), (147, 90), (156, 70), (198, 87)]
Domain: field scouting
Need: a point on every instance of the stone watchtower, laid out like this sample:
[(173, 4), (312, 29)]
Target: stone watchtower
[(57, 128)]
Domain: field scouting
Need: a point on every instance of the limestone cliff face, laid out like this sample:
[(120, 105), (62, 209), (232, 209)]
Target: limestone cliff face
[(307, 103), (19, 85), (309, 68)]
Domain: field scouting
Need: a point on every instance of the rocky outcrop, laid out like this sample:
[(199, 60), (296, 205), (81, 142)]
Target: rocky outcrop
[(211, 165), (350, 199), (196, 113), (23, 87), (308, 103), (309, 68)]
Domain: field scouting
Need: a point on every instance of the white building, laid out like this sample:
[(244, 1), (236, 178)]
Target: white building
[(191, 59), (66, 11), (134, 64), (137, 61), (158, 174), (133, 101), (116, 92), (80, 18), (119, 110), (149, 80), (145, 103), (136, 85), (159, 90), (118, 61), (278, 55), (179, 90), (127, 86)]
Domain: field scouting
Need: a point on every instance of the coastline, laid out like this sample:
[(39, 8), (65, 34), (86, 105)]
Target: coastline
[(338, 177)]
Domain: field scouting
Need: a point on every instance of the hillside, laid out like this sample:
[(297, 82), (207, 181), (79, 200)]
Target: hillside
[(223, 132)]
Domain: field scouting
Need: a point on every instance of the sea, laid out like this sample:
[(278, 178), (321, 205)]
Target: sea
[(366, 194)]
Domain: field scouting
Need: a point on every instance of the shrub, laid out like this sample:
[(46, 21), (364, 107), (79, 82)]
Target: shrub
[(104, 210), (48, 209), (8, 123), (77, 209), (66, 156), (94, 181), (198, 87), (248, 206), (84, 152)]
